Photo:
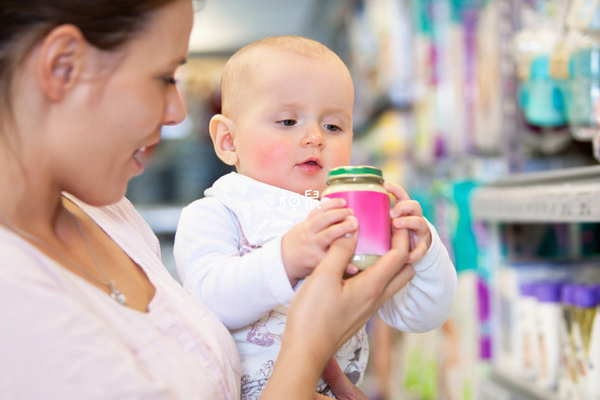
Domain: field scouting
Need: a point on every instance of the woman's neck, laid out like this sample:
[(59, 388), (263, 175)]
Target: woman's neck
[(29, 200)]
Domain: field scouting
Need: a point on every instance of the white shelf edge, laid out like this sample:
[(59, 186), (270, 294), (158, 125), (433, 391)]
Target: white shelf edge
[(570, 195), (519, 386), (561, 175)]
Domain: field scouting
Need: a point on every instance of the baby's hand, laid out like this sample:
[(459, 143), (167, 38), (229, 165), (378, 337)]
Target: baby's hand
[(306, 243), (407, 214)]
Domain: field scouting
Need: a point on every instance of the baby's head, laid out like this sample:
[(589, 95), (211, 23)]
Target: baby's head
[(286, 119)]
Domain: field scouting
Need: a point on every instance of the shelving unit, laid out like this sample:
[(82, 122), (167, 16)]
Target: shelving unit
[(566, 196), (501, 385)]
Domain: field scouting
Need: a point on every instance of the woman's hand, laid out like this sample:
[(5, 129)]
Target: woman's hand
[(339, 383), (327, 310), (306, 243)]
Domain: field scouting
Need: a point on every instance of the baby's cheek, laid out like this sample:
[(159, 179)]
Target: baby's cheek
[(273, 154)]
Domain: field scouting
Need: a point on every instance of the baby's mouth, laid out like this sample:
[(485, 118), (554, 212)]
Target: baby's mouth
[(312, 162)]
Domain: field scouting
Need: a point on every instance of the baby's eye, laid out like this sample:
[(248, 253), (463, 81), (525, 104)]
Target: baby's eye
[(332, 128), (287, 122)]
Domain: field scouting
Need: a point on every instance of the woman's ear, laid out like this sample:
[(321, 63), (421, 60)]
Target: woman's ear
[(221, 132), (61, 60)]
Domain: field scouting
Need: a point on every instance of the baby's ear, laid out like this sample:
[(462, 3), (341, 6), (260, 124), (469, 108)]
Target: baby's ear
[(221, 129)]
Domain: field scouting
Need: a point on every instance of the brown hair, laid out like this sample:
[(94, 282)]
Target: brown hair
[(106, 24)]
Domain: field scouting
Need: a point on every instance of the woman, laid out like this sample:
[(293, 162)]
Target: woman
[(87, 308)]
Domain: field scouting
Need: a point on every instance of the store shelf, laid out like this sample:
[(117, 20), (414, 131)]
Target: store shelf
[(566, 195), (504, 386)]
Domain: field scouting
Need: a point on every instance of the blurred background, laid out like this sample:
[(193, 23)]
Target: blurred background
[(484, 112)]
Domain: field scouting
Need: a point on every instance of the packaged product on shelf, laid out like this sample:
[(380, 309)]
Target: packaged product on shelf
[(584, 67), (540, 96), (527, 331), (586, 301), (505, 338), (567, 384), (583, 21), (548, 315), (593, 365), (516, 329)]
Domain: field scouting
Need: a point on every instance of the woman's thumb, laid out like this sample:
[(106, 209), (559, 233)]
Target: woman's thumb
[(339, 254)]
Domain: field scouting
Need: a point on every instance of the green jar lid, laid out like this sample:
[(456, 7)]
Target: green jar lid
[(354, 170)]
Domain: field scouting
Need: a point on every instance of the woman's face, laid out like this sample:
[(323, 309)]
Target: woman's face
[(117, 116)]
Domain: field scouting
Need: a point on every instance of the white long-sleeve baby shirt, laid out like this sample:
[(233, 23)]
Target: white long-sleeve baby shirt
[(228, 252)]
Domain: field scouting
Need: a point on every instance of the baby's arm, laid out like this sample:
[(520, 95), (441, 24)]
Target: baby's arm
[(306, 243), (424, 303), (239, 290)]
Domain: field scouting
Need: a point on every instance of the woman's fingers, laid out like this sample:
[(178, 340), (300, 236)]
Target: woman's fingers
[(390, 269), (338, 307), (339, 255), (340, 384)]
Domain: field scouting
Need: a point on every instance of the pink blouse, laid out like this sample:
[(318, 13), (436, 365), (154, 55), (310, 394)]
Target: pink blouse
[(62, 338)]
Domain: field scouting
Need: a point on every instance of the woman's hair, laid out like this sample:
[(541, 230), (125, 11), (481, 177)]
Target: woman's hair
[(106, 24)]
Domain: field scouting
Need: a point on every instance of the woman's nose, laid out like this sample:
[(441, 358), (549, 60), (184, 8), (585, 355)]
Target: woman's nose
[(175, 111)]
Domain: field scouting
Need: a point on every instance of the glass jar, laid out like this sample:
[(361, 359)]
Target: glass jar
[(362, 188)]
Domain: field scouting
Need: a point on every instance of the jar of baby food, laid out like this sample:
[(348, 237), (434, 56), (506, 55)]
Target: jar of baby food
[(362, 188)]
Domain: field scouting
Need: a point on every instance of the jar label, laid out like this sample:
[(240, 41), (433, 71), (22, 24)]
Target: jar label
[(372, 210)]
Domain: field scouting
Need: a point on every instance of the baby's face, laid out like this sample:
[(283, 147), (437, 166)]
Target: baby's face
[(294, 123)]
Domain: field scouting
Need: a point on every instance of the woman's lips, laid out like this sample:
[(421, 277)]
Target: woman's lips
[(143, 156)]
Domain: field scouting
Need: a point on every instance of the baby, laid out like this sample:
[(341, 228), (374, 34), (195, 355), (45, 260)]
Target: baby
[(287, 104)]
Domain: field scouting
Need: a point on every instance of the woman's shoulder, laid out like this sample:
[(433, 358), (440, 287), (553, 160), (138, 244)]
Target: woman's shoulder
[(26, 273), (18, 254)]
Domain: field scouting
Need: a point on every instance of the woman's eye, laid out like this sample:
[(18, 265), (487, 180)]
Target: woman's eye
[(332, 128), (170, 80), (288, 122)]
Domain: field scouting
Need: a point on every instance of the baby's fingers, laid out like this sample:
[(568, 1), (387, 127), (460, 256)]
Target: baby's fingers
[(351, 270), (420, 235), (332, 218), (406, 207), (399, 193), (417, 225), (418, 251), (327, 204), (336, 229)]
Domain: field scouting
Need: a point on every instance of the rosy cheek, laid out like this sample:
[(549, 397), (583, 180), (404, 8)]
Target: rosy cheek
[(271, 154)]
